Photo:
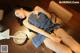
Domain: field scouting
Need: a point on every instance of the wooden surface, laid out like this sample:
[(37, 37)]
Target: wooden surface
[(9, 21)]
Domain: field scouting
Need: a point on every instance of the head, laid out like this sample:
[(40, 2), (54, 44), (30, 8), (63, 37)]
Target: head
[(20, 13)]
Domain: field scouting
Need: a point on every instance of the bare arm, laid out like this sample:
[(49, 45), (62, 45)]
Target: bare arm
[(39, 9), (32, 27), (28, 33)]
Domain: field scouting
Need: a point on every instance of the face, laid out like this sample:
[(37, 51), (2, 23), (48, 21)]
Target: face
[(20, 13)]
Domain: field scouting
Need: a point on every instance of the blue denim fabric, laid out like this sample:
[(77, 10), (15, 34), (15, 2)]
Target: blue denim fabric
[(41, 22), (38, 40)]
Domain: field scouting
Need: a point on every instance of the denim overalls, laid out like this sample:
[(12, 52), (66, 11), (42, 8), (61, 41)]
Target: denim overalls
[(43, 22)]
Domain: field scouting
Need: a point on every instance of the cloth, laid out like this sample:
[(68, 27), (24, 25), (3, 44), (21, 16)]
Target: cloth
[(43, 22), (5, 34)]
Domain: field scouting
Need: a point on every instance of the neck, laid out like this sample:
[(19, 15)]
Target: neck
[(26, 13)]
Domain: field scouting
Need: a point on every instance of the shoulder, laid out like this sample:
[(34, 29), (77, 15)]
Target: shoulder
[(27, 17)]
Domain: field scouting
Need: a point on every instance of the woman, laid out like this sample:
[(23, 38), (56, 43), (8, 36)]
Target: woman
[(38, 22)]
